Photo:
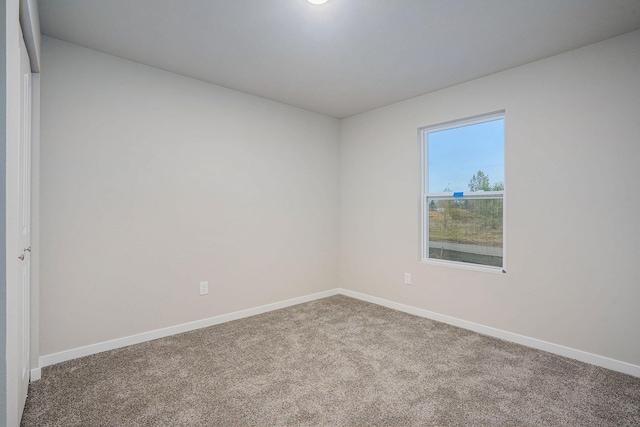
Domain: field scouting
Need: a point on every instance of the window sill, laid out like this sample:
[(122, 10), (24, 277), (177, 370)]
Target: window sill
[(464, 266)]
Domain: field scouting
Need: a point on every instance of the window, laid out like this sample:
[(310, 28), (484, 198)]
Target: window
[(463, 192)]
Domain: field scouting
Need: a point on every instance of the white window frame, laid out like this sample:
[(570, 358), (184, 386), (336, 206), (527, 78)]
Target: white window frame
[(426, 197)]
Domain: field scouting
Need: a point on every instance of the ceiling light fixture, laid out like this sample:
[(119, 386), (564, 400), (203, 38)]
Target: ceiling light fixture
[(317, 1)]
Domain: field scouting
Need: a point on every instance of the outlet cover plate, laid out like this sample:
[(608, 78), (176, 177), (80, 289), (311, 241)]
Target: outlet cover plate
[(204, 288)]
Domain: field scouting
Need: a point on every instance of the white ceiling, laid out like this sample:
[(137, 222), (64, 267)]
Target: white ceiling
[(341, 58)]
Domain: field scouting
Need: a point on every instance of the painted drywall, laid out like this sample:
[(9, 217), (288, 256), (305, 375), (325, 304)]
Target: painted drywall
[(573, 235), (152, 182), (3, 212)]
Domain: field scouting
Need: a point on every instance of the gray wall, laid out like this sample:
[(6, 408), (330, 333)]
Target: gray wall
[(573, 235), (3, 211), (152, 182)]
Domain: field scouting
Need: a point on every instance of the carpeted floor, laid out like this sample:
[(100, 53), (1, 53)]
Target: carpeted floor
[(335, 361)]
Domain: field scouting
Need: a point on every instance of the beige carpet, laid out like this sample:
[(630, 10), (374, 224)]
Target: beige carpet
[(331, 362)]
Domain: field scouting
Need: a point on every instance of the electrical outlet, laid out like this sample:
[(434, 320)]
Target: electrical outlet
[(407, 278), (204, 288)]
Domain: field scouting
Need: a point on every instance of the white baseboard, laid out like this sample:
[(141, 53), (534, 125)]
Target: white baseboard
[(594, 359), (582, 356), (36, 373), (63, 356)]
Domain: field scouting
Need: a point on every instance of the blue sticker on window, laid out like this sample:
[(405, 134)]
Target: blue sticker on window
[(458, 194)]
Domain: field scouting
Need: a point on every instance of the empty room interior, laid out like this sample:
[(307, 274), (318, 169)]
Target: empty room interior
[(362, 212)]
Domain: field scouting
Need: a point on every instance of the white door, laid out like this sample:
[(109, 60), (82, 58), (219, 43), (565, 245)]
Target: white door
[(24, 278), (18, 230)]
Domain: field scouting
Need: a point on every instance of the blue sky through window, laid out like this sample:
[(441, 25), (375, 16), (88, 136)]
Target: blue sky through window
[(456, 154)]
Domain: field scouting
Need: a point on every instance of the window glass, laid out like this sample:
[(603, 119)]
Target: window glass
[(463, 220), (455, 155)]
